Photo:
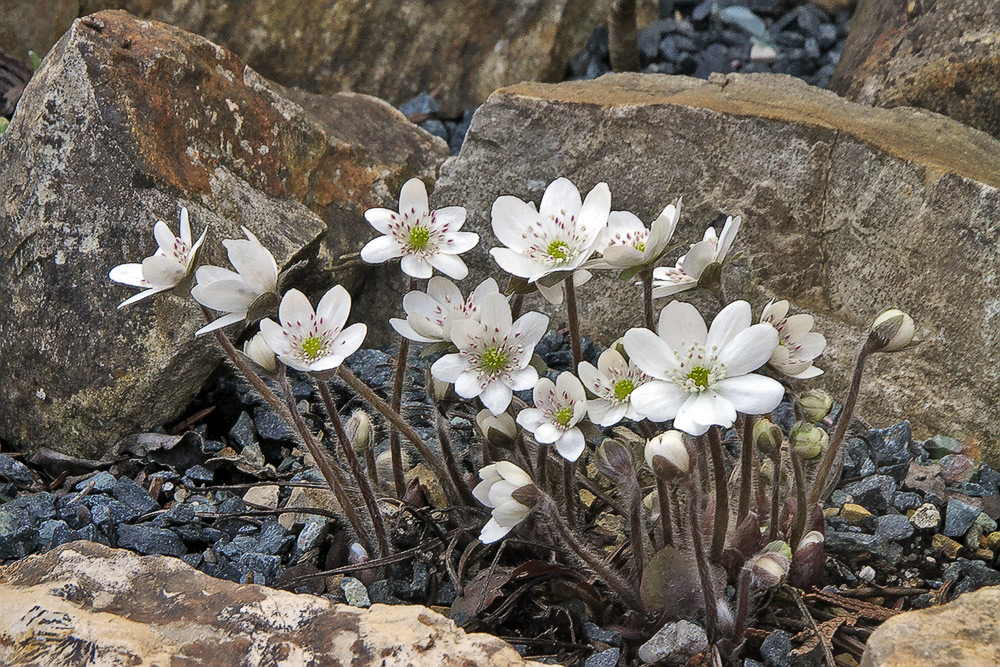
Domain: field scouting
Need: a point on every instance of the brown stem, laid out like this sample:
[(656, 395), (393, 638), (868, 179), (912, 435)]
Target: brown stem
[(772, 530), (623, 39), (522, 449), (801, 508), (541, 458), (846, 415), (569, 489), (636, 530), (395, 451), (367, 493), (444, 438), (516, 306), (747, 460), (663, 495), (574, 322), (647, 299), (371, 466), (721, 493), (707, 589)]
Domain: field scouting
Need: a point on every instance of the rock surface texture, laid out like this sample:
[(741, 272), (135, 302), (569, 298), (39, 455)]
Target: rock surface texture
[(848, 209), (943, 56), (963, 633), (125, 122), (124, 609), (460, 50)]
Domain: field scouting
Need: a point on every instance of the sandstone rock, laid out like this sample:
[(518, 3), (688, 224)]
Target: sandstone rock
[(943, 56), (961, 633), (126, 121), (459, 50), (848, 209), (120, 608)]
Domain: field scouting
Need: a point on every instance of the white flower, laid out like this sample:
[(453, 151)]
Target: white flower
[(498, 429), (313, 341), (627, 244), (500, 481), (669, 445), (895, 330), (430, 314), (425, 239), (235, 292), (165, 269), (686, 274), (704, 377), (559, 407), (554, 240), (798, 345), (494, 354), (613, 382), (258, 352)]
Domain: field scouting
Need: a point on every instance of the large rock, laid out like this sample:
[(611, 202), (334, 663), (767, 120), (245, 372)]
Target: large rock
[(460, 50), (942, 55), (963, 633), (122, 609), (847, 209), (125, 122)]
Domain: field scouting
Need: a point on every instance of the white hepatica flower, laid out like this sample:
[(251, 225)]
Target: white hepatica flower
[(798, 345), (613, 382), (431, 314), (686, 274), (258, 352), (425, 239), (554, 241), (559, 407), (165, 269), (500, 482), (704, 377), (627, 244), (310, 340), (234, 292), (493, 354)]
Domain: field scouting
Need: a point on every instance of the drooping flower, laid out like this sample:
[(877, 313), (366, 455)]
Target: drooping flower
[(892, 331), (689, 268), (613, 382), (798, 344), (166, 269), (425, 239), (493, 354), (704, 376), (313, 341), (499, 430), (237, 292), (430, 314), (501, 481), (559, 407), (627, 244), (552, 242), (670, 447), (258, 352)]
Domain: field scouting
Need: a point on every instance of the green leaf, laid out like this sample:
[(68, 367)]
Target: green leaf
[(3, 125), (628, 274), (36, 60)]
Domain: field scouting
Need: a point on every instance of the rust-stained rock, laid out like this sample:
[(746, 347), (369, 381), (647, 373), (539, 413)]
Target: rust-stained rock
[(941, 55), (847, 209), (125, 122), (122, 609), (962, 633)]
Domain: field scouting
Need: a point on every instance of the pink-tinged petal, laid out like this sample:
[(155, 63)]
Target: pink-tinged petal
[(381, 249), (128, 274), (730, 321), (161, 271), (448, 368), (404, 329), (594, 212), (650, 353), (531, 418), (749, 349), (514, 263), (230, 296), (571, 444), (751, 394), (142, 295), (459, 242), (706, 408), (274, 337), (810, 345), (779, 357), (774, 312), (727, 237), (379, 219), (334, 307), (681, 325), (623, 222), (452, 216), (413, 198), (294, 308), (465, 333), (416, 267), (592, 378), (164, 237), (450, 265), (529, 329), (496, 397), (797, 325), (523, 379), (569, 384), (492, 532), (658, 401), (698, 257), (511, 217), (349, 340), (547, 433), (543, 389), (469, 384), (423, 303), (254, 263), (561, 199), (495, 315)]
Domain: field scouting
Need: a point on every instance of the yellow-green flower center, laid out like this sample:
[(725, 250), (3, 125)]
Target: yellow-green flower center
[(640, 246), (563, 415), (312, 346), (558, 250), (419, 236), (494, 360), (623, 388), (699, 375)]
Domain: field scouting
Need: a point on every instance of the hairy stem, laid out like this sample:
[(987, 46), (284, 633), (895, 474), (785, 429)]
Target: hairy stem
[(721, 493), (574, 322), (801, 507), (704, 574), (772, 530), (395, 450), (541, 459), (747, 459), (516, 306), (623, 37), (647, 299), (371, 466), (663, 496), (569, 489), (444, 437)]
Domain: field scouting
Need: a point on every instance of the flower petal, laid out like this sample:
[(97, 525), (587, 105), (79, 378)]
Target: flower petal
[(731, 320), (380, 218), (128, 274), (496, 397), (650, 353), (706, 409), (295, 308), (571, 444), (749, 349), (681, 325), (413, 198), (448, 368), (492, 532), (381, 249), (417, 267), (495, 315), (164, 237), (230, 296), (450, 265), (334, 307), (253, 262), (658, 401), (514, 263), (561, 199), (594, 213), (510, 218), (529, 329), (751, 394)]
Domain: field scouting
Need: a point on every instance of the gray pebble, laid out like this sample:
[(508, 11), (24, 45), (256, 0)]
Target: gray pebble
[(674, 644)]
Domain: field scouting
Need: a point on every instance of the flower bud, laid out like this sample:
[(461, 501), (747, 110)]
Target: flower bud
[(767, 471), (770, 569), (809, 561), (356, 554), (808, 441), (259, 353), (817, 404), (779, 546), (892, 331), (667, 455), (767, 436), (360, 431), (499, 430), (614, 460)]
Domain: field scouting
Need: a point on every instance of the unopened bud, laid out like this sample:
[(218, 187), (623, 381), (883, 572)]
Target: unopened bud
[(817, 404), (808, 441), (767, 436), (259, 353), (356, 554), (360, 431), (892, 331), (667, 455), (770, 569), (812, 537), (614, 460), (809, 561), (780, 547), (499, 430), (767, 470)]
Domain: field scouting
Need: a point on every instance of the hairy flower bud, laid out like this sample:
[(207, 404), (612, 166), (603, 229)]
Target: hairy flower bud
[(356, 554), (779, 546), (614, 460), (817, 404), (808, 441), (360, 431), (770, 569), (809, 560), (667, 455), (499, 430), (767, 436), (892, 331)]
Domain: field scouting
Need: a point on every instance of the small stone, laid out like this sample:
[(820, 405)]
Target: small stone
[(958, 518), (148, 540), (675, 643), (989, 479), (985, 523), (854, 513), (867, 573), (926, 517), (435, 127), (857, 544), (608, 658), (355, 592), (891, 445), (993, 540), (381, 592), (263, 567), (776, 649), (744, 19), (761, 53), (15, 471), (925, 478), (983, 554), (200, 474), (42, 506), (941, 445), (270, 426), (133, 495), (312, 536), (970, 575), (263, 496), (243, 433), (906, 500), (956, 468), (945, 545), (103, 482), (595, 633), (422, 103), (895, 527), (875, 493), (273, 538)]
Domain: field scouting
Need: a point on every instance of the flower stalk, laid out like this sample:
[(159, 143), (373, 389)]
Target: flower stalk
[(747, 460), (444, 439), (573, 318), (721, 522), (663, 496), (647, 299), (399, 379)]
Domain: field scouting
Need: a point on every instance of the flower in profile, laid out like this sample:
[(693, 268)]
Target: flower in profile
[(499, 490), (892, 331), (499, 430), (704, 376), (692, 267), (627, 244), (668, 446), (430, 314), (493, 354), (552, 242), (168, 268), (559, 407), (798, 344), (313, 341), (613, 382), (259, 353), (238, 293), (425, 239)]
